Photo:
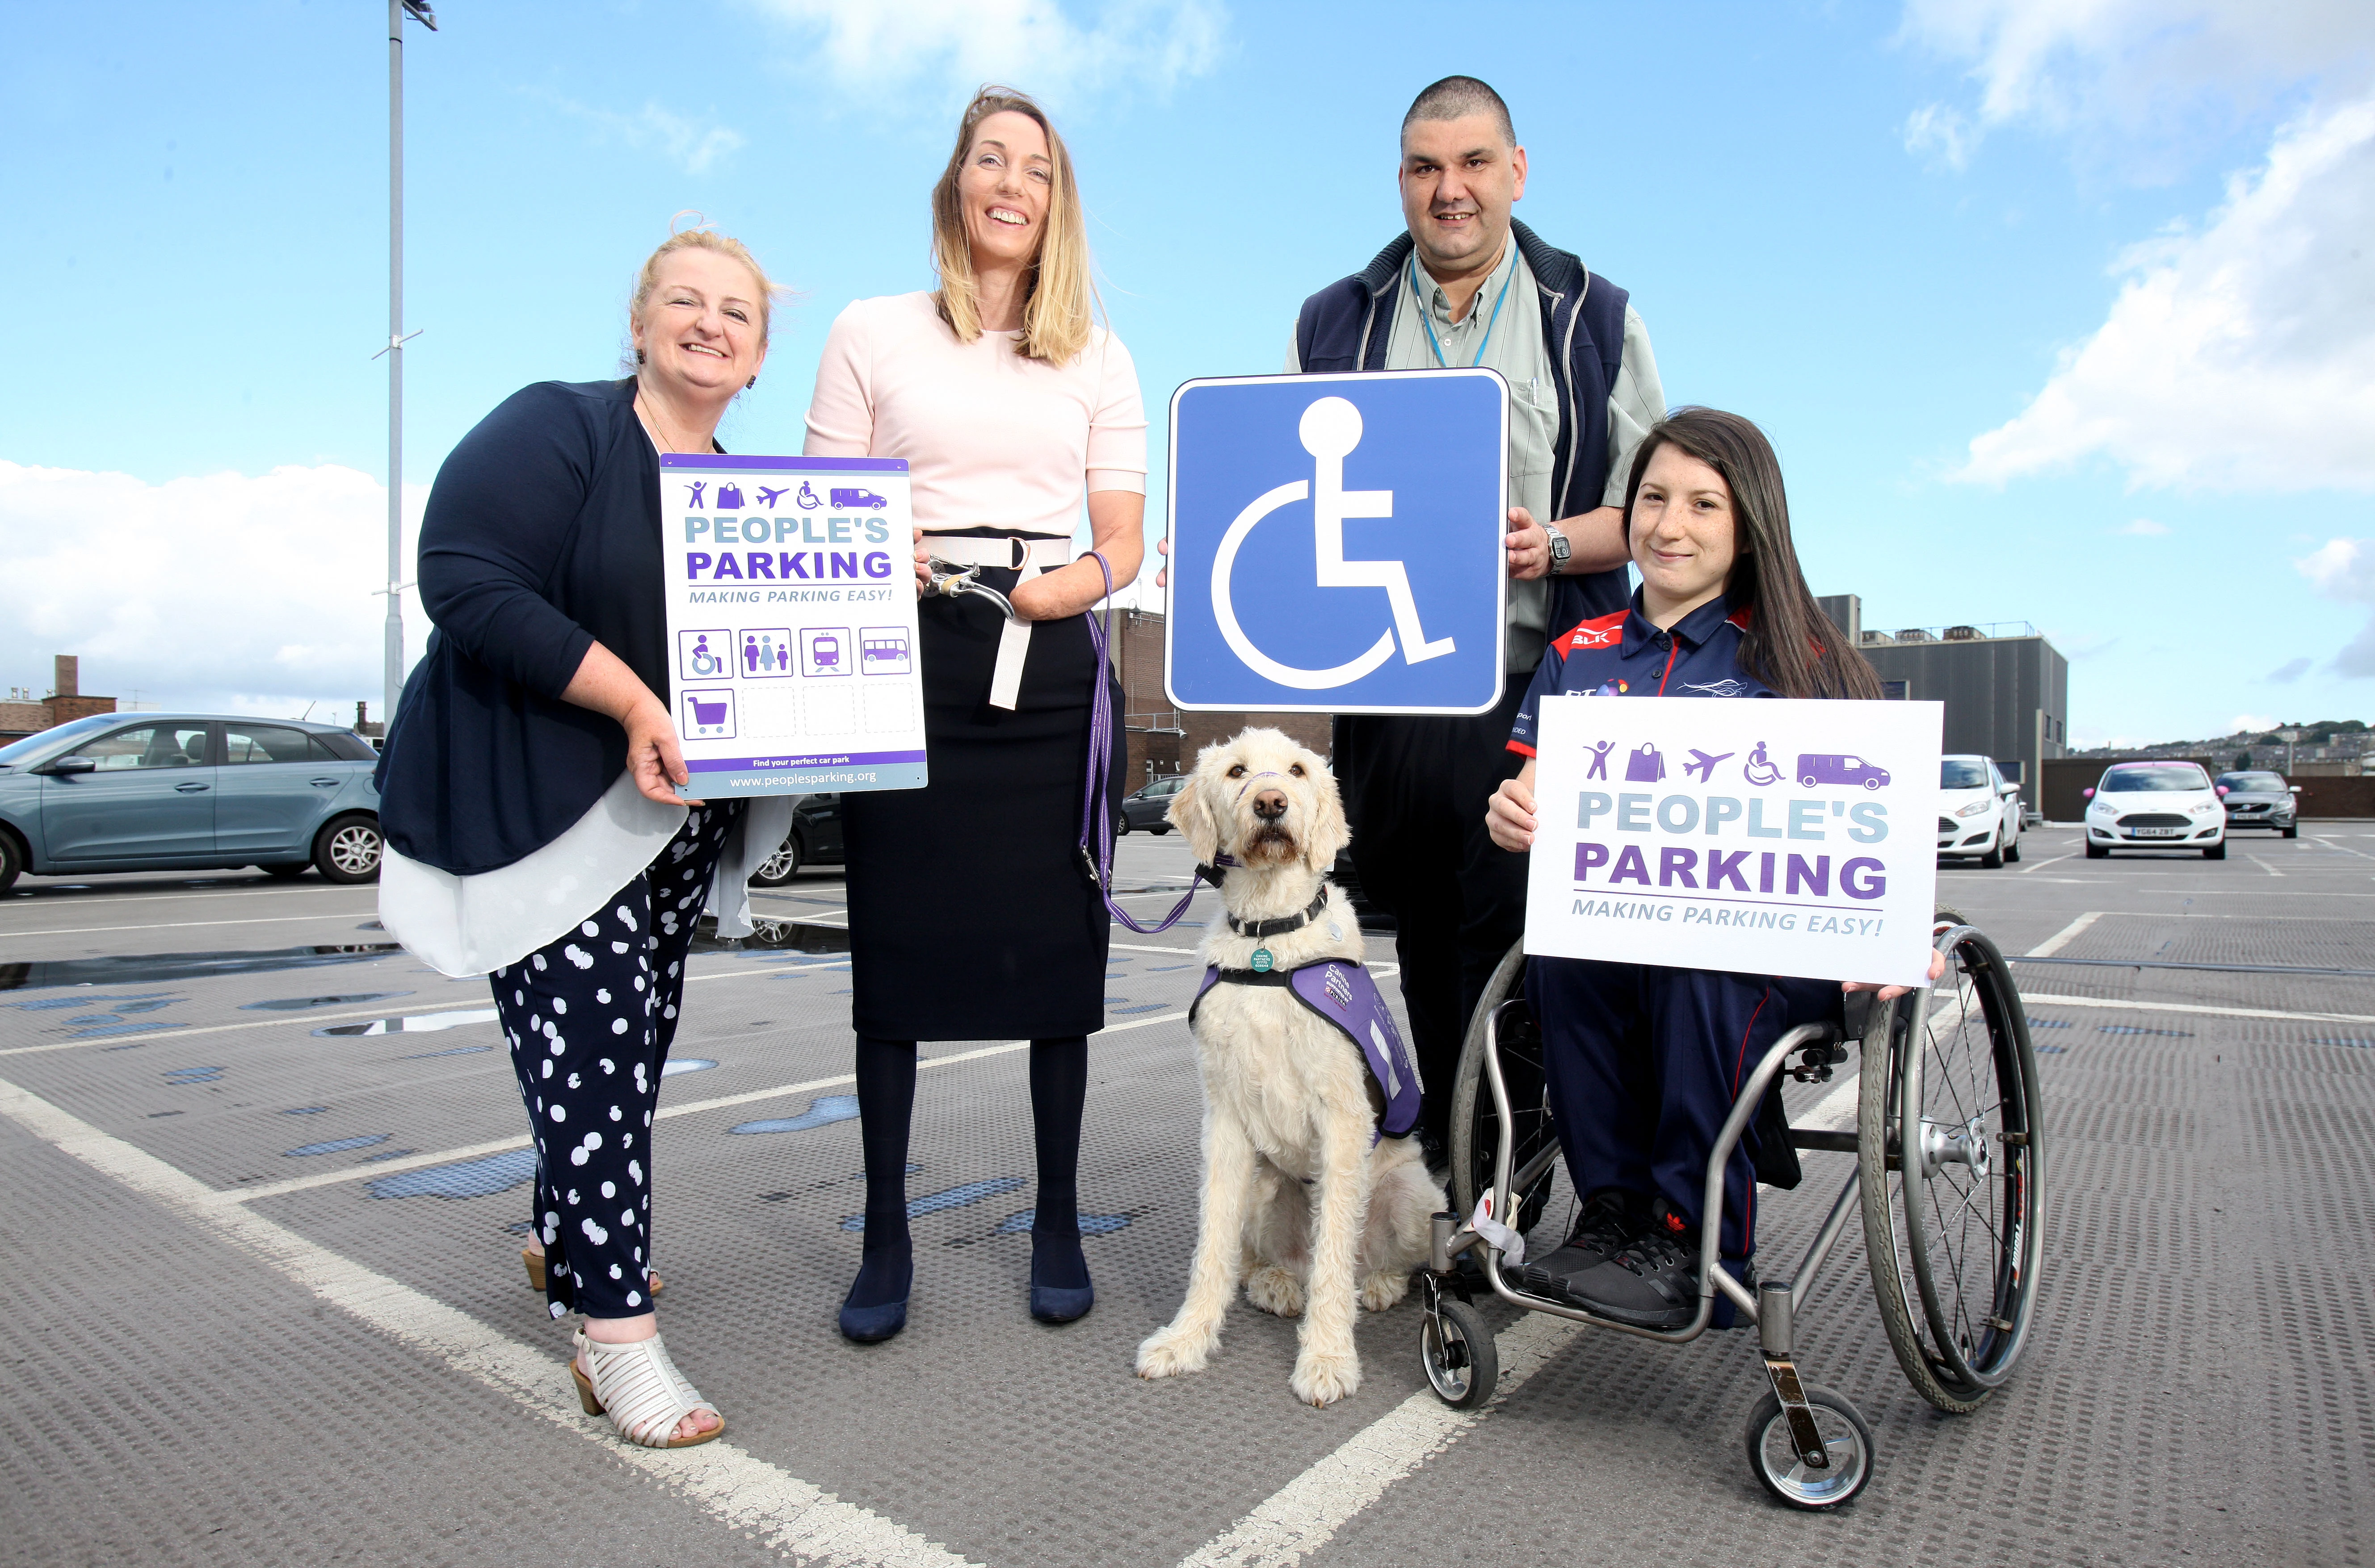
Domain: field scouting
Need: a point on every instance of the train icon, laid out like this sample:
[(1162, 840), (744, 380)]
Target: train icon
[(827, 651)]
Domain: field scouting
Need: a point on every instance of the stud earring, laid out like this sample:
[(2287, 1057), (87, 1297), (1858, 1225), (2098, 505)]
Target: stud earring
[(751, 382), (639, 355)]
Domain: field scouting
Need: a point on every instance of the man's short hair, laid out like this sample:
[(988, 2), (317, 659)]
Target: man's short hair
[(1456, 98)]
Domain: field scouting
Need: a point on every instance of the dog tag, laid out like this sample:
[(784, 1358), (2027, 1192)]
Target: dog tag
[(1262, 960), (1335, 932)]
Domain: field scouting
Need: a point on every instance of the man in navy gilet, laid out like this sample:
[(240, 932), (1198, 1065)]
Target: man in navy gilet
[(1467, 285)]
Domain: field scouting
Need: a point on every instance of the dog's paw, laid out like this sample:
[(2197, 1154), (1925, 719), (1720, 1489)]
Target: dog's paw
[(1323, 1377), (1275, 1291), (1173, 1351), (1383, 1289)]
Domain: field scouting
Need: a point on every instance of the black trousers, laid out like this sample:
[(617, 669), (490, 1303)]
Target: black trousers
[(1414, 792)]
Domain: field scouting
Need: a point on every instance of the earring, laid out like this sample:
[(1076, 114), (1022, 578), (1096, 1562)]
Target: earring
[(639, 355), (751, 382)]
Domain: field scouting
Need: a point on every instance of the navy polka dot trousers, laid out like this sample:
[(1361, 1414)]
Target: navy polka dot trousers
[(590, 1016)]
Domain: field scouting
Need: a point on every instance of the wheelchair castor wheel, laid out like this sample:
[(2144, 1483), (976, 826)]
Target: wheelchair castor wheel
[(1846, 1438), (1462, 1361)]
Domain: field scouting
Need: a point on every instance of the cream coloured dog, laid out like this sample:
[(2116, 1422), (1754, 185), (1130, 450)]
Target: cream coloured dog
[(1300, 1195)]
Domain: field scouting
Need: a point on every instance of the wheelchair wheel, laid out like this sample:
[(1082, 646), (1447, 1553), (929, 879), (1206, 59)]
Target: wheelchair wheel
[(1846, 1439), (1462, 1360), (1953, 1153), (1476, 1126)]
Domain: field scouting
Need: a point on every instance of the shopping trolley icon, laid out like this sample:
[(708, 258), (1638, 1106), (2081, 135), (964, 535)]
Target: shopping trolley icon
[(708, 715)]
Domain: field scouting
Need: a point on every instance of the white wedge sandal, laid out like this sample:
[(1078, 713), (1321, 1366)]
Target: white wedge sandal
[(639, 1389)]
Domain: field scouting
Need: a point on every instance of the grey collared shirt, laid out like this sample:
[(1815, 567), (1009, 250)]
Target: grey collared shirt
[(1513, 344)]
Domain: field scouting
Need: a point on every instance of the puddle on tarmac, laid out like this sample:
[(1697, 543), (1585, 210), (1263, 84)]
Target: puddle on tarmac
[(464, 1178), (336, 1145), (304, 1110), (823, 1111), (193, 1075), (417, 1023), (2050, 1023), (456, 1050), (133, 968), (1143, 1007), (686, 1065), (2136, 1029), (954, 1197), (302, 1004), (780, 935), (2335, 1041), (1019, 1222)]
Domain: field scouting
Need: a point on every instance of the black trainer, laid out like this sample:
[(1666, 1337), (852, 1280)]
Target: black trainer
[(1651, 1282), (1612, 1217)]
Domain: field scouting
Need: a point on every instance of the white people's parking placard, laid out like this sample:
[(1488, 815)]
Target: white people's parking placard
[(1761, 836), (791, 623)]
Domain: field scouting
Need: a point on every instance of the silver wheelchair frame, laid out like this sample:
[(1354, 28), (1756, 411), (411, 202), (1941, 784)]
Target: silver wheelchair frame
[(1830, 1469)]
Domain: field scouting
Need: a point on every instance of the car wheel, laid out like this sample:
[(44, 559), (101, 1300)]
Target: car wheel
[(12, 860), (1993, 859), (2096, 851), (2291, 832), (2215, 852), (781, 867), (1123, 831), (287, 873), (2011, 850), (1160, 829), (348, 850)]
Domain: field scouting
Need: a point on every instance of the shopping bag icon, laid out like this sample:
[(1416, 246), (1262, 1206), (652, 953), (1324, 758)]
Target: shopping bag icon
[(1646, 765), (729, 496)]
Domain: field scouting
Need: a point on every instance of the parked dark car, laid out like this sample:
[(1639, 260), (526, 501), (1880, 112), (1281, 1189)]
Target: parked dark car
[(2260, 800), (815, 840), (1142, 809), (189, 792)]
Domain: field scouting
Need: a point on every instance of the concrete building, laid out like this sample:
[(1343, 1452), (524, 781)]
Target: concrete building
[(2005, 688), (66, 701)]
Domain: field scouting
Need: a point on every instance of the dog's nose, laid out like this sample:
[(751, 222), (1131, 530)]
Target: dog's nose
[(1269, 805)]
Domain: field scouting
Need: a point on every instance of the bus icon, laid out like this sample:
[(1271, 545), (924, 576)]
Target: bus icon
[(883, 650), (859, 499)]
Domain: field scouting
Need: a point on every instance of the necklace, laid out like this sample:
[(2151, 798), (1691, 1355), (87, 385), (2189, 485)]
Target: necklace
[(1425, 316), (667, 442)]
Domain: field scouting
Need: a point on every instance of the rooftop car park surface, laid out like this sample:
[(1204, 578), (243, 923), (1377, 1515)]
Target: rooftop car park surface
[(267, 1305)]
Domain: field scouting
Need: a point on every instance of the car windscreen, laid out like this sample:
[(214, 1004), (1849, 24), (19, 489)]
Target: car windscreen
[(2259, 783), (1961, 773), (2167, 779), (40, 744)]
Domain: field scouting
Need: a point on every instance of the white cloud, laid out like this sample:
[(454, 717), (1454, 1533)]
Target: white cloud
[(227, 591), (2289, 671), (2252, 724), (1134, 45), (2238, 357), (2146, 528), (695, 143), (2344, 569)]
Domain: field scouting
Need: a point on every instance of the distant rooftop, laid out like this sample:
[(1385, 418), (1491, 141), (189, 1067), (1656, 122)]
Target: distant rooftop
[(1968, 632)]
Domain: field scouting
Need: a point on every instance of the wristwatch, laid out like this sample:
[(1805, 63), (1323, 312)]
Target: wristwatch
[(1560, 549)]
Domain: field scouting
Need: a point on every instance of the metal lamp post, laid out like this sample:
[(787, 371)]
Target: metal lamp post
[(396, 11)]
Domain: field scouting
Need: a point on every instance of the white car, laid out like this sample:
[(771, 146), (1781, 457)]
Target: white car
[(2156, 806), (1979, 813)]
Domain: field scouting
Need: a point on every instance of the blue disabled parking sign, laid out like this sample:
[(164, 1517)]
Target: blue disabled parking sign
[(1337, 542)]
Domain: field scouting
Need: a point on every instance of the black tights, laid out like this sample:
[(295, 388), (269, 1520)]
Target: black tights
[(886, 1104)]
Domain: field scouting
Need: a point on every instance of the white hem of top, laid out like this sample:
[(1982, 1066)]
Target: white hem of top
[(462, 927)]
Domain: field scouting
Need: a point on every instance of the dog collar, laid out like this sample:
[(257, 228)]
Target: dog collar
[(1219, 864), (1284, 923)]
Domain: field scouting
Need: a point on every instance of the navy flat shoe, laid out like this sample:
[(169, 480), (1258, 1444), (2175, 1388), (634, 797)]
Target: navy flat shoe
[(1059, 1303), (875, 1307)]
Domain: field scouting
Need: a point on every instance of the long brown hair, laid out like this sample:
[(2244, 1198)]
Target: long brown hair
[(1057, 319), (1791, 645)]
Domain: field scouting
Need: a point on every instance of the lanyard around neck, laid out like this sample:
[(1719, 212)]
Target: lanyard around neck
[(1425, 316)]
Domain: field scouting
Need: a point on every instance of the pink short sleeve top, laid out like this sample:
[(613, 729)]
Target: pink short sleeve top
[(991, 438)]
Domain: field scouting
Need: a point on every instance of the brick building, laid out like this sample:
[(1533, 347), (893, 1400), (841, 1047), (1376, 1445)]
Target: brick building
[(19, 719), (1162, 740)]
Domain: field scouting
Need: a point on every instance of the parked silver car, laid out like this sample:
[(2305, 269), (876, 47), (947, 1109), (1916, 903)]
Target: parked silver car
[(2260, 800), (189, 792)]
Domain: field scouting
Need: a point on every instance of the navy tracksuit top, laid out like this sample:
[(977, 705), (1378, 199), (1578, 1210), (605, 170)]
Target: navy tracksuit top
[(1644, 1061)]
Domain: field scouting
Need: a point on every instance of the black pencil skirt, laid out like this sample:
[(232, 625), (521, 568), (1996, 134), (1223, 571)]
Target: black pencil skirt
[(971, 914)]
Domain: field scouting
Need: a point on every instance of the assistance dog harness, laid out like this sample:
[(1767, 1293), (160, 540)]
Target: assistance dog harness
[(1343, 993)]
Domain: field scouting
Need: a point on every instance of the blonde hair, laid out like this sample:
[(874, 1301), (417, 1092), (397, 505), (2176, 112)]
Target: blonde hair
[(1058, 295), (700, 236)]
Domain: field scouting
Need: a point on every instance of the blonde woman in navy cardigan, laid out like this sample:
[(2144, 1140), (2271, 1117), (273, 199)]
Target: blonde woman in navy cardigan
[(534, 834)]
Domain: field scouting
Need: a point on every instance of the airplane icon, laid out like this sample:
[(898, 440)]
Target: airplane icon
[(767, 498), (1703, 763)]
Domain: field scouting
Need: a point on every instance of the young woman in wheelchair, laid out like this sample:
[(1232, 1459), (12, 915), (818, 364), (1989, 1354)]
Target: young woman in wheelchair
[(1644, 1061)]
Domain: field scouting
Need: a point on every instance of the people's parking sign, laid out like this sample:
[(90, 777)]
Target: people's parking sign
[(1337, 542)]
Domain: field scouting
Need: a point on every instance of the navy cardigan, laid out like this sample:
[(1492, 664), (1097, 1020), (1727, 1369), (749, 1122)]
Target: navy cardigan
[(542, 537)]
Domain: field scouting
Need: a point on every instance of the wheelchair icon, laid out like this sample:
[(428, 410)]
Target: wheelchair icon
[(807, 500), (1759, 769), (1330, 428)]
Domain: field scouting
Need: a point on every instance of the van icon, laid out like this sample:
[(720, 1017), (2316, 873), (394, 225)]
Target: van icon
[(1829, 767), (866, 500)]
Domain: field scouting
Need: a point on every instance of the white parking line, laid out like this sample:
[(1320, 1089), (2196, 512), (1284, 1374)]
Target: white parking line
[(2032, 870), (2263, 866), (2063, 937), (736, 1486), (2049, 999), (372, 1170), (178, 925), (47, 898)]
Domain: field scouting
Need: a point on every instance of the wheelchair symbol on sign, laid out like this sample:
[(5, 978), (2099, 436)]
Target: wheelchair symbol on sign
[(1331, 429)]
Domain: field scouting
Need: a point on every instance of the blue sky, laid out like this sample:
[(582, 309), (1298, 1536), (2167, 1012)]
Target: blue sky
[(2057, 313)]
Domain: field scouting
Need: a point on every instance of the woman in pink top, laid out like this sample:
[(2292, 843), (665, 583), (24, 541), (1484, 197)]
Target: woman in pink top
[(1010, 406)]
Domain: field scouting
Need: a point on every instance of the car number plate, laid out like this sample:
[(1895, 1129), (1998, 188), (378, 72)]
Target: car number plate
[(2155, 832)]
